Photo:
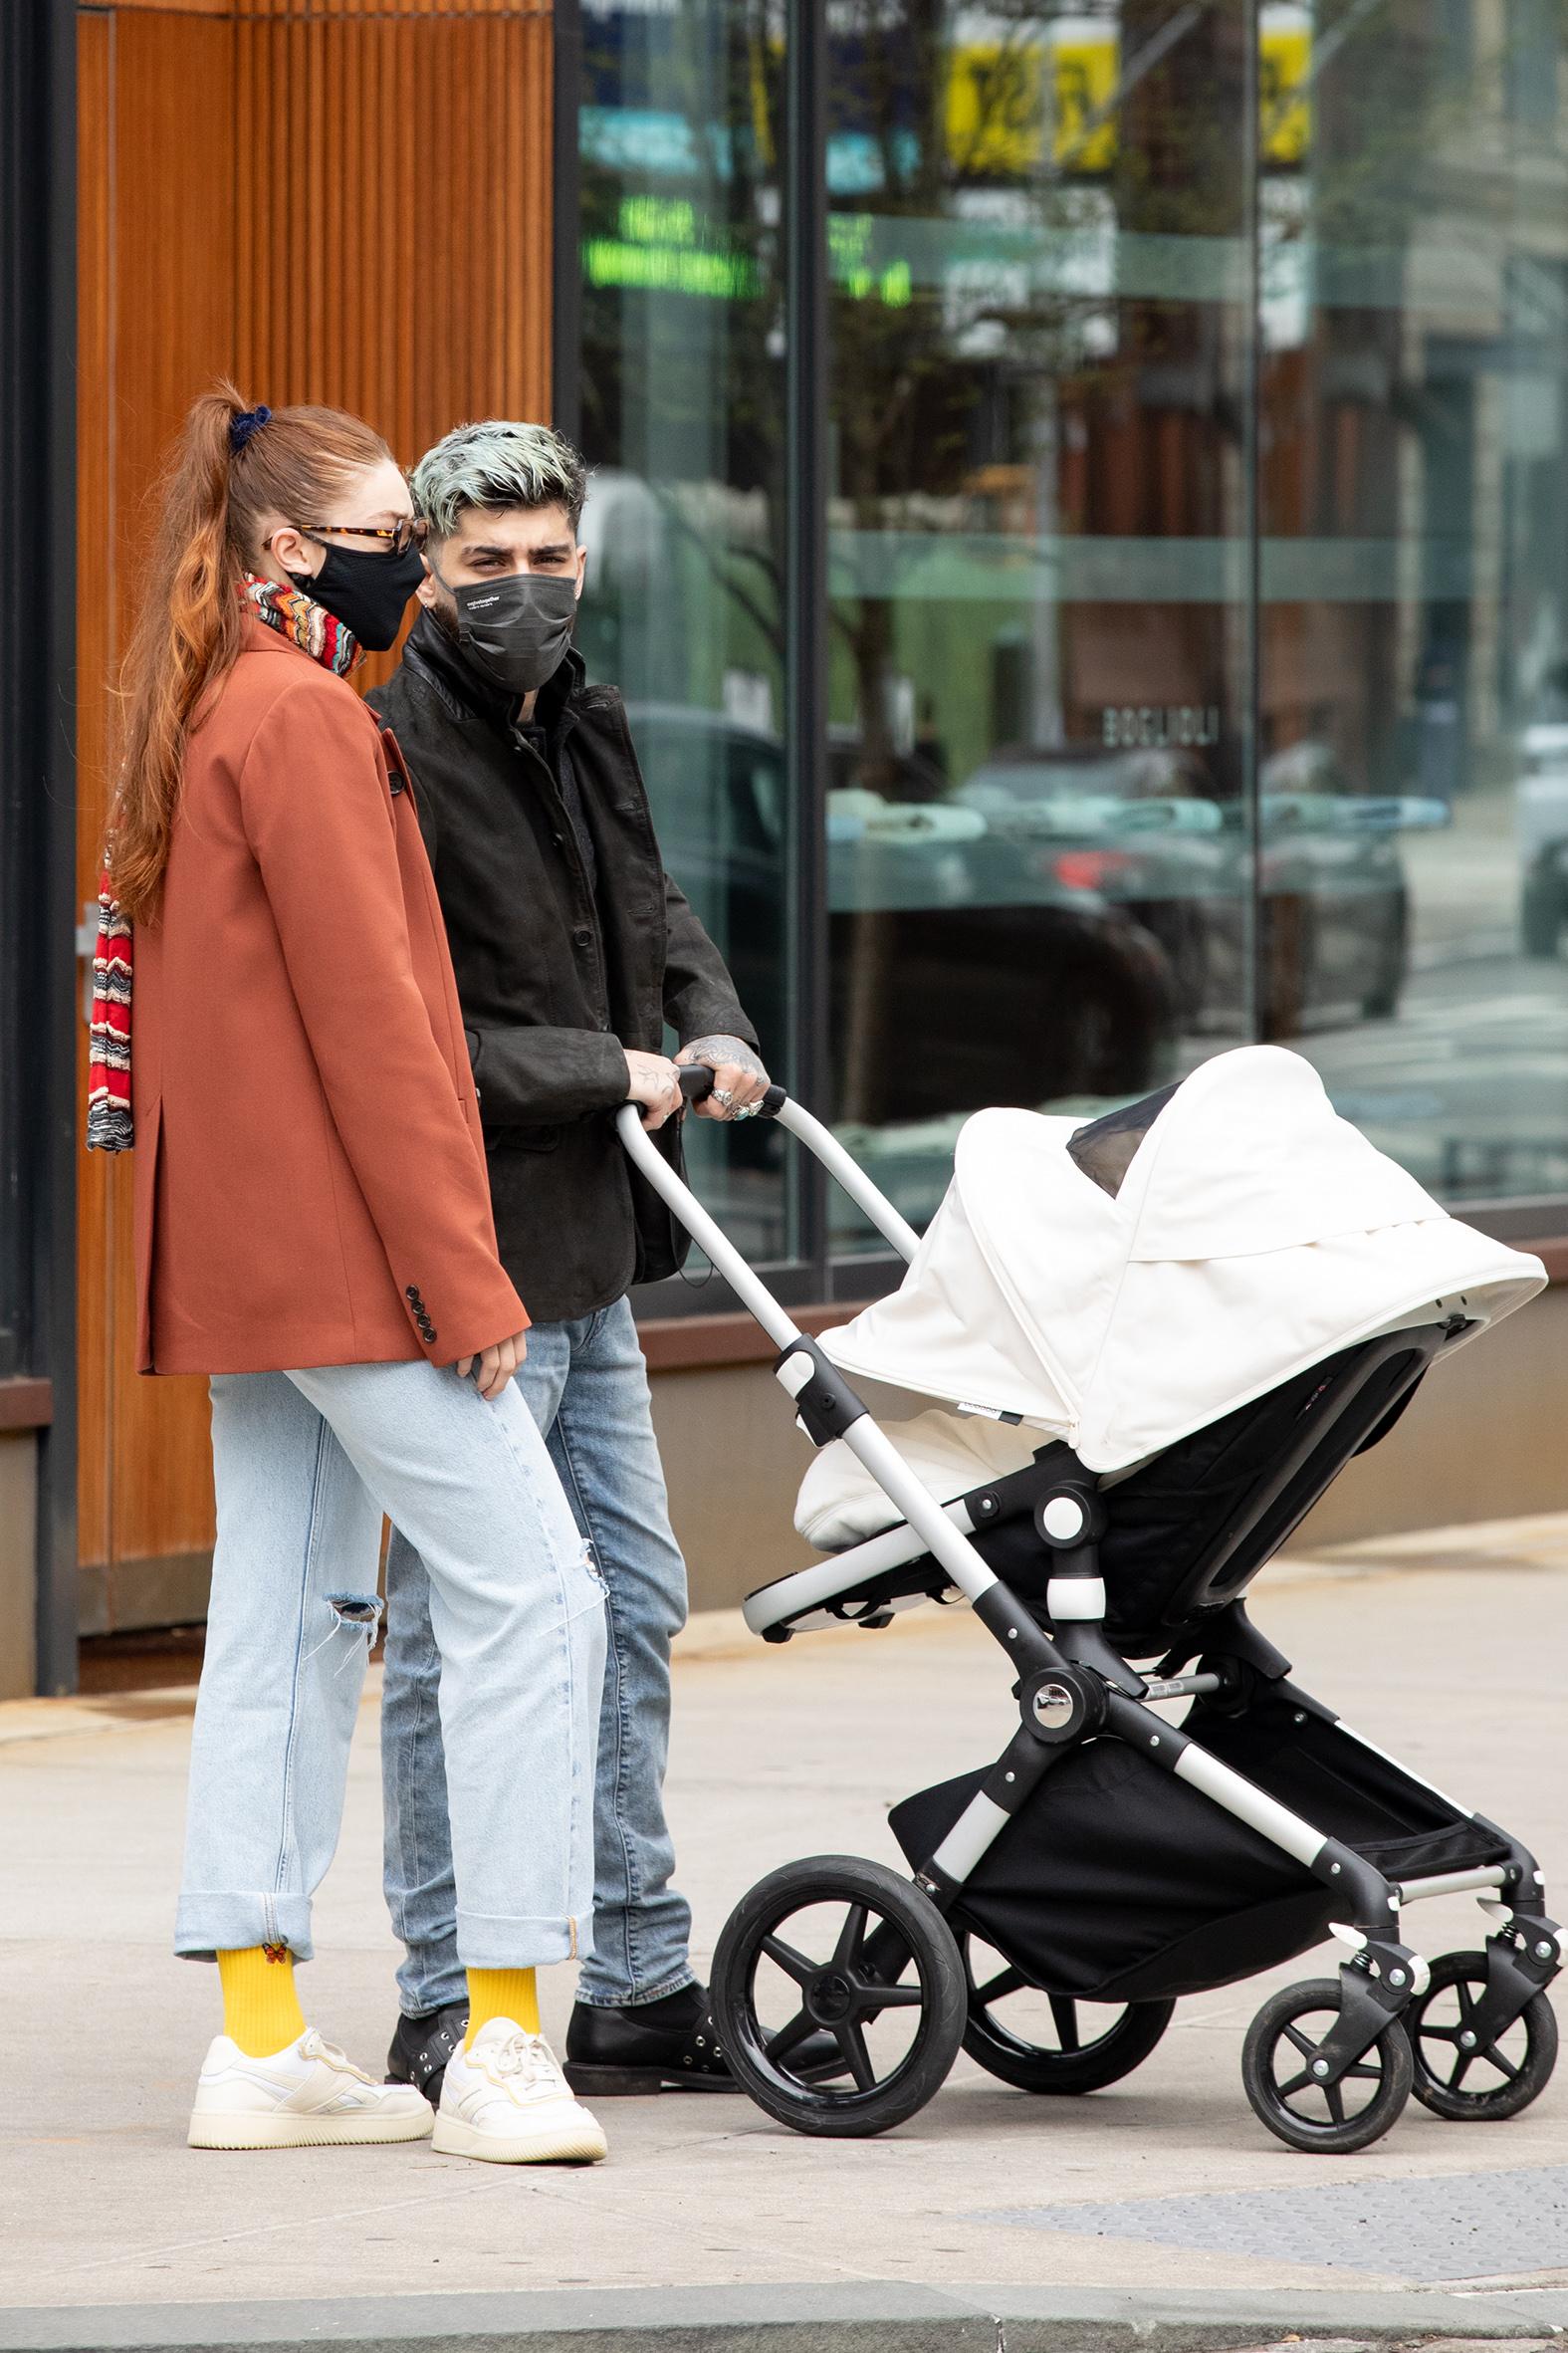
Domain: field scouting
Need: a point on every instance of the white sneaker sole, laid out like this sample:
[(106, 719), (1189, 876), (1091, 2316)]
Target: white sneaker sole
[(573, 2145), (216, 2131)]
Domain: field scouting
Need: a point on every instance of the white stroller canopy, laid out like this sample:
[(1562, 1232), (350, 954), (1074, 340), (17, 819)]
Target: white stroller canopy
[(1252, 1234)]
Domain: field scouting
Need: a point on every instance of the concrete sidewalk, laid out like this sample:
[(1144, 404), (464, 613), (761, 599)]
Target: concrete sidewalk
[(1159, 2206)]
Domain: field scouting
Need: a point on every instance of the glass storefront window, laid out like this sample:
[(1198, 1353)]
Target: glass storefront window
[(1195, 502), (1413, 685), (682, 395), (1038, 855)]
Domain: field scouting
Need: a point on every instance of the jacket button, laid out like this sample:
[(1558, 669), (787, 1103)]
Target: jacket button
[(412, 1293), (582, 937)]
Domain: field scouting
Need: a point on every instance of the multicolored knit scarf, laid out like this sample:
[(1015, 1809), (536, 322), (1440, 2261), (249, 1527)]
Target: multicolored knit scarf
[(306, 623), (110, 1128)]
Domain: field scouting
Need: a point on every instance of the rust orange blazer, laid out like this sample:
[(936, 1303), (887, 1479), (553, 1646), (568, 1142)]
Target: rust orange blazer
[(310, 1180)]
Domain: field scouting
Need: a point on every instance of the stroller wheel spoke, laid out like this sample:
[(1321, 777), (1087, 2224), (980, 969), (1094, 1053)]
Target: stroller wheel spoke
[(1064, 2017), (778, 2046), (795, 1964), (1006, 1981), (850, 1937), (852, 2042), (1297, 2084), (1495, 2058), (1336, 2102), (1363, 2074), (1303, 2042), (892, 1998)]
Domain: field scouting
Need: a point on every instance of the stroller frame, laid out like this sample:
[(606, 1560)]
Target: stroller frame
[(1072, 1685)]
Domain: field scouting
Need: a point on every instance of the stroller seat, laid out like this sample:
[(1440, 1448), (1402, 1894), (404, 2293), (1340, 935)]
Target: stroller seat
[(840, 1503), (1187, 1531)]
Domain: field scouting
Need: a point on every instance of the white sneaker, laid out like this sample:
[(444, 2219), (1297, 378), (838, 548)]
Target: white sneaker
[(305, 2096), (506, 2101)]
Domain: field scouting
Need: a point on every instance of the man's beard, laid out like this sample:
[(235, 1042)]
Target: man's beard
[(445, 612)]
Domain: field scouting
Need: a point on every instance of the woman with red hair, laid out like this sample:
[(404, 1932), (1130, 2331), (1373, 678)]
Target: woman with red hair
[(314, 1234)]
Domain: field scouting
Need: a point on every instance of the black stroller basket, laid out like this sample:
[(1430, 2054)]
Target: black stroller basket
[(1112, 1856)]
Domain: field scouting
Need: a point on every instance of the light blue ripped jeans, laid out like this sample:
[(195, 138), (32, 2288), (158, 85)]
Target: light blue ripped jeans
[(587, 1386), (305, 1465)]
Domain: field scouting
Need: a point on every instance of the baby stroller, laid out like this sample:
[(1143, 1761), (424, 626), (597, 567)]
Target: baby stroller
[(1156, 1338)]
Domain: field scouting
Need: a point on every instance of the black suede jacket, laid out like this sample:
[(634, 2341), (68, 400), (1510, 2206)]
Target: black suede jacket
[(555, 975)]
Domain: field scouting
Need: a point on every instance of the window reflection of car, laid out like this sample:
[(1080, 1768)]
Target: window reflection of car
[(1541, 825), (961, 973), (1148, 830)]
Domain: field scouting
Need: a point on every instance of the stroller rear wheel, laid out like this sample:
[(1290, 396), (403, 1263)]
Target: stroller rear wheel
[(1509, 2073), (1277, 2070), (844, 1946), (1050, 2043)]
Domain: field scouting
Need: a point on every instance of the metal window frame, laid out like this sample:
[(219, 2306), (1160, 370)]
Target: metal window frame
[(565, 351), (38, 1069)]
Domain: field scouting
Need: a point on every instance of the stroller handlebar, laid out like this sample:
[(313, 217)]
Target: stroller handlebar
[(697, 1085)]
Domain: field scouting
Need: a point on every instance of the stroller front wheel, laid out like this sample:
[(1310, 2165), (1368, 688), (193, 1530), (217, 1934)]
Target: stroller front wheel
[(1050, 2043), (1278, 2072), (1510, 2072), (835, 1946)]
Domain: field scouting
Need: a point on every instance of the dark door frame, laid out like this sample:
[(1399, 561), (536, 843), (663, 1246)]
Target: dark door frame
[(38, 801)]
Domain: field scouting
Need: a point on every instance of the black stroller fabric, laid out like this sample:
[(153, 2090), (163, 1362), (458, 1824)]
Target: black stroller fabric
[(1165, 1555), (1188, 1531), (1116, 1882)]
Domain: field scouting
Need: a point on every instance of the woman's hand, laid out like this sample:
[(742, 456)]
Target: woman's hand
[(739, 1079), (496, 1365)]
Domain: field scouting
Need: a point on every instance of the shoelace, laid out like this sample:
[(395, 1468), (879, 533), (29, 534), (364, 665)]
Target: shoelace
[(527, 2055)]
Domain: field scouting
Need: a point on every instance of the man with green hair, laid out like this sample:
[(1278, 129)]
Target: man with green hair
[(572, 950)]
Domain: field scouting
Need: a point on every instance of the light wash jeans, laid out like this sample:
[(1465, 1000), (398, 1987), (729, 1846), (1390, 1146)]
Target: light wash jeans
[(588, 1388), (305, 1465)]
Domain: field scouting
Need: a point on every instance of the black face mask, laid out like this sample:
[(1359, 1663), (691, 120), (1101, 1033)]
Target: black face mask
[(367, 594), (516, 631)]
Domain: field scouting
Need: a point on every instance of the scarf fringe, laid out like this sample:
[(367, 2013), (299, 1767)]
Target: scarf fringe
[(110, 1126)]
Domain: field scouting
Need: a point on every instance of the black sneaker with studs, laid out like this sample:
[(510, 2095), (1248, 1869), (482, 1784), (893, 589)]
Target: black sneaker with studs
[(670, 2044), (422, 2045)]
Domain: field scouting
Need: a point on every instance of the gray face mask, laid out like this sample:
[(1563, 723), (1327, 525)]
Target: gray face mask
[(516, 631)]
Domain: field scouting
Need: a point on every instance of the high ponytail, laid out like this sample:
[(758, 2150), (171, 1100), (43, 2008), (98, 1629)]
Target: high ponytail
[(192, 621)]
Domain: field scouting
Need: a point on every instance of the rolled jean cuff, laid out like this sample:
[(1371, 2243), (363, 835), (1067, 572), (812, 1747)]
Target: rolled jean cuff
[(614, 2001), (208, 1924), (492, 1940)]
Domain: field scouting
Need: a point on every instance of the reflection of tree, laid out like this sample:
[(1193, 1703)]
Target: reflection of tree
[(932, 417), (717, 391)]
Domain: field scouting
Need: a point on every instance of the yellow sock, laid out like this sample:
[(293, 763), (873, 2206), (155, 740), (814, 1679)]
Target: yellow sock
[(261, 2009), (501, 1994)]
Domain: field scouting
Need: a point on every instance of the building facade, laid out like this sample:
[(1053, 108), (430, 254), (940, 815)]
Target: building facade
[(1080, 517)]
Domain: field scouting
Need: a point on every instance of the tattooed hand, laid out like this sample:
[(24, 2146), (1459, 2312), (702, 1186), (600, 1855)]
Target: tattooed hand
[(739, 1079)]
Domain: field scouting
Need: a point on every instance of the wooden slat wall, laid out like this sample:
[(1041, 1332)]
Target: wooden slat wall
[(260, 195)]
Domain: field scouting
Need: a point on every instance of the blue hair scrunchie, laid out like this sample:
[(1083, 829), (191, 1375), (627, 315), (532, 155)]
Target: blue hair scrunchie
[(241, 428)]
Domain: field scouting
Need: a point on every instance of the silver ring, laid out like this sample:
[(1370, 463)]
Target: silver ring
[(724, 1095), (745, 1111)]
